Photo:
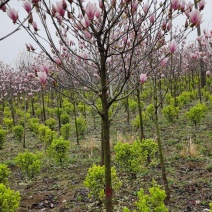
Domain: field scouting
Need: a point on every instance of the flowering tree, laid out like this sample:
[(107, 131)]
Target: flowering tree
[(101, 47)]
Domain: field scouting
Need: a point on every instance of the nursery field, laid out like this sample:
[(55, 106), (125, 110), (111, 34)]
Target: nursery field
[(60, 186)]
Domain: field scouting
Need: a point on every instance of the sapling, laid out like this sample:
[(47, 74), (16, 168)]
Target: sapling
[(8, 123)]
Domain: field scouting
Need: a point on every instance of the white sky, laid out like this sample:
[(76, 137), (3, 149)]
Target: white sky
[(11, 47)]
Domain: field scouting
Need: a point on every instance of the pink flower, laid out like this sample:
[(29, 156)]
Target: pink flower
[(57, 60), (143, 78), (208, 73), (60, 9), (202, 4), (42, 77), (152, 19), (172, 47), (34, 26), (164, 61), (13, 14), (195, 17), (175, 4), (3, 8), (90, 10), (27, 6), (86, 22), (145, 8), (45, 68)]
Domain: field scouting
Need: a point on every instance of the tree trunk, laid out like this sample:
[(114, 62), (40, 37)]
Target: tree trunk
[(75, 121), (163, 169), (102, 147), (140, 116)]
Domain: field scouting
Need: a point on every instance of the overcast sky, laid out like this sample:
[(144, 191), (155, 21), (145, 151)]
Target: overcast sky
[(11, 47)]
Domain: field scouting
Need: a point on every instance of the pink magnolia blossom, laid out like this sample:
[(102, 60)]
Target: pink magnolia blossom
[(57, 60), (27, 6), (195, 17), (145, 8), (172, 47), (86, 21), (175, 4), (42, 77), (3, 8), (152, 19), (201, 4), (90, 10), (60, 8), (13, 14), (34, 24), (208, 73), (45, 68), (143, 78), (164, 61)]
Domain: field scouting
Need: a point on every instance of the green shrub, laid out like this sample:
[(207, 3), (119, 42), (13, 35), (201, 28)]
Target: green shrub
[(33, 125), (133, 158), (64, 118), (4, 174), (196, 113), (65, 131), (51, 123), (3, 134), (170, 112), (8, 123), (133, 105), (210, 204), (136, 121), (38, 112), (59, 150), (154, 202), (150, 111), (7, 112), (45, 134), (9, 199), (95, 182), (18, 132), (29, 163), (82, 125)]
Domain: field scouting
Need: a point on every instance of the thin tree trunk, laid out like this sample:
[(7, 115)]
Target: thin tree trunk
[(75, 122), (140, 115)]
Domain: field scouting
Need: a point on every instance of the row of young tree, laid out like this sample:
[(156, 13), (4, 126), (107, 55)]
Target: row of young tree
[(108, 50)]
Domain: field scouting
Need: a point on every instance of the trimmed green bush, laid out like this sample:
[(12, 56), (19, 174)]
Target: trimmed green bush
[(18, 132), (3, 134), (133, 158), (8, 123), (9, 199), (51, 123), (59, 150), (64, 118), (65, 131), (196, 113), (95, 182), (4, 174), (154, 202), (82, 125), (29, 163), (170, 113)]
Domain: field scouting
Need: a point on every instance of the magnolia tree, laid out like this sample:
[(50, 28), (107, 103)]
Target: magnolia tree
[(101, 46)]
